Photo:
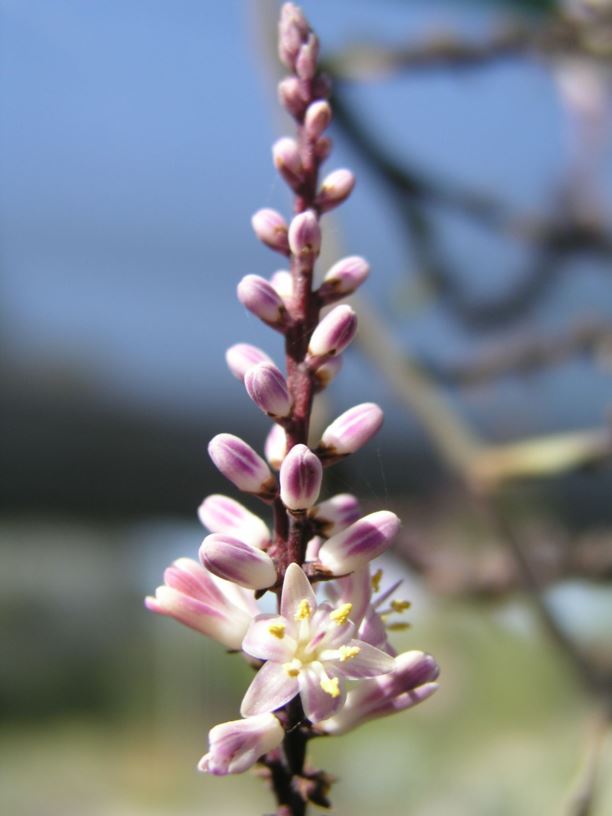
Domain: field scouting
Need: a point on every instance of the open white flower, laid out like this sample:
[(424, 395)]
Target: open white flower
[(310, 650)]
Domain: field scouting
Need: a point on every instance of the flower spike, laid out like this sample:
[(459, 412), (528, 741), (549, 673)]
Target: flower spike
[(324, 660)]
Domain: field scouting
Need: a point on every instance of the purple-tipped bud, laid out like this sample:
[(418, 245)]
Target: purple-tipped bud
[(323, 148), (290, 96), (239, 463), (242, 356), (335, 189), (293, 31), (191, 595), (334, 332), (317, 119), (275, 447), (261, 298), (286, 156), (335, 514), (300, 478), (221, 514), (306, 60), (236, 746), (271, 229), (360, 543), (234, 560), (408, 684), (326, 372), (351, 430), (344, 278), (282, 283), (305, 234), (267, 388)]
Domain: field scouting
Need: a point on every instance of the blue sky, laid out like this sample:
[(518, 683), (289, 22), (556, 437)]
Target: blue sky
[(135, 144)]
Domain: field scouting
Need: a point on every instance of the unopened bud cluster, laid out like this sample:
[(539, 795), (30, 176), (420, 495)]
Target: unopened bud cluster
[(326, 663)]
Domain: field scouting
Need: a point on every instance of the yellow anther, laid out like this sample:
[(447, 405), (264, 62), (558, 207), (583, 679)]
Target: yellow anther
[(376, 579), (340, 615), (400, 606), (277, 629), (348, 652), (398, 627), (293, 667), (330, 686), (303, 611)]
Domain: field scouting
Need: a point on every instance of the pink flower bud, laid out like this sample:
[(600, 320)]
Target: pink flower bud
[(234, 560), (351, 430), (334, 332), (290, 96), (271, 229), (236, 746), (275, 447), (408, 684), (286, 156), (293, 31), (242, 356), (335, 514), (335, 189), (344, 278), (267, 388), (221, 514), (300, 478), (200, 600), (260, 298), (317, 118), (364, 540), (306, 60), (325, 373), (305, 234), (239, 463), (282, 283)]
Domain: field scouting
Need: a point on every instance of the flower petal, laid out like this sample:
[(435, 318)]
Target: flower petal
[(210, 620), (271, 688), (368, 662), (296, 588), (271, 637), (322, 692), (355, 589), (372, 629), (328, 633)]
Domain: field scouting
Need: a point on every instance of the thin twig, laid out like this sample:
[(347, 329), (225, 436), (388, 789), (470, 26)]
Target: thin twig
[(553, 240), (590, 676), (524, 356), (582, 799)]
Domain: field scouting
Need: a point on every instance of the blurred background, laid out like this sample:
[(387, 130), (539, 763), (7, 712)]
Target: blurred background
[(134, 146)]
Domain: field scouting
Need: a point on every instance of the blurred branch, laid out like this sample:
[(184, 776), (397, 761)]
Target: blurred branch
[(525, 355), (483, 466), (493, 575), (595, 679), (582, 800), (553, 240), (367, 61), (538, 457), (559, 35)]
